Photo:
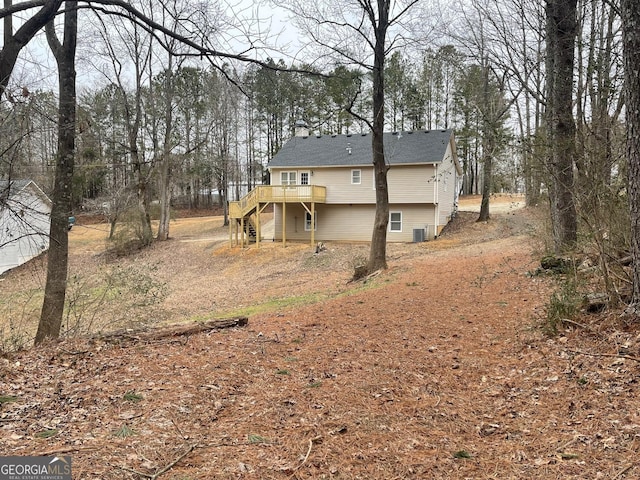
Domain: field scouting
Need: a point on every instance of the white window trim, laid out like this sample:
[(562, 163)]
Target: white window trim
[(307, 221), (359, 176), (391, 223), (300, 173)]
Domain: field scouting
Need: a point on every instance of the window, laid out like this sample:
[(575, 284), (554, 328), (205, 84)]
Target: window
[(307, 221), (304, 178), (395, 221), (356, 177), (288, 178)]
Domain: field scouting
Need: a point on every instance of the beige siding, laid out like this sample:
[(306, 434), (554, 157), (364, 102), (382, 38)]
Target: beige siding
[(413, 217), (411, 184), (352, 222), (407, 183)]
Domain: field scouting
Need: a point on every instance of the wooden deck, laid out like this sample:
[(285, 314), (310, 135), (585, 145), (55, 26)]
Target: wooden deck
[(246, 212), (277, 194)]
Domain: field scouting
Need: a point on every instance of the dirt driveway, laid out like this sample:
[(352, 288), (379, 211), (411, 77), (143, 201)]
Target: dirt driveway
[(432, 370)]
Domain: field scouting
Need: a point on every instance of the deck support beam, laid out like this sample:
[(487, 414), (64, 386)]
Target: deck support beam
[(242, 232), (313, 224), (258, 225), (312, 212), (284, 224)]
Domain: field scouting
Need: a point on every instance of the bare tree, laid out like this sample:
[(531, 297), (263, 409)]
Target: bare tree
[(136, 48), (482, 42), (58, 258), (518, 31)]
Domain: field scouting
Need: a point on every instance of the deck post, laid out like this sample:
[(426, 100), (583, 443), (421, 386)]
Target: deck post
[(242, 232), (258, 225), (284, 224), (313, 223)]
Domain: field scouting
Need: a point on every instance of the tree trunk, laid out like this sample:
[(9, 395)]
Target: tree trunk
[(488, 146), (378, 252), (165, 198), (57, 262), (487, 167), (165, 172), (630, 10), (561, 35)]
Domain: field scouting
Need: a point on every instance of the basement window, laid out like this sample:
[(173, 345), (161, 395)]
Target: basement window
[(307, 221), (395, 221)]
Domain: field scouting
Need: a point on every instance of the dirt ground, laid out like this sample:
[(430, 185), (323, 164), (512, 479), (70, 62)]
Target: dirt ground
[(434, 369)]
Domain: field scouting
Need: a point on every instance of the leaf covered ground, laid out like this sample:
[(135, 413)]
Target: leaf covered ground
[(436, 368)]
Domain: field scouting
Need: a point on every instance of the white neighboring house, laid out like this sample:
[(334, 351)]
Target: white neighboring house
[(24, 222)]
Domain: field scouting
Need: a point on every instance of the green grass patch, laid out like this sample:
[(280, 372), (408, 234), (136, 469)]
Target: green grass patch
[(124, 431), (52, 432), (23, 307), (132, 397), (7, 399), (254, 438), (276, 304), (569, 456), (282, 372), (461, 454)]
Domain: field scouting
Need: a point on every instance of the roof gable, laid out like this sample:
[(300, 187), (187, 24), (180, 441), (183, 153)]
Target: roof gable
[(11, 190), (422, 146)]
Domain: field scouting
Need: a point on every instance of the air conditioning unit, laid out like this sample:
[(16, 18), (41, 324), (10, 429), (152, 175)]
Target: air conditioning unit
[(419, 235)]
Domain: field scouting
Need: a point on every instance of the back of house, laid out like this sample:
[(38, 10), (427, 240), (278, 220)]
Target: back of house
[(423, 181)]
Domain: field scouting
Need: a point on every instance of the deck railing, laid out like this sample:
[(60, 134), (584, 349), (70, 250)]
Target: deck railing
[(277, 194)]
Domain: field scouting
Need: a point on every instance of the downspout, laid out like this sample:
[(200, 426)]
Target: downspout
[(436, 209)]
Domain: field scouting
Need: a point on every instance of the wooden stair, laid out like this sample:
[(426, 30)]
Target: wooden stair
[(247, 211), (249, 228)]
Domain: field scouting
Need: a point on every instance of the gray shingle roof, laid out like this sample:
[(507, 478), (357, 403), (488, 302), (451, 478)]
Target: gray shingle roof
[(422, 146)]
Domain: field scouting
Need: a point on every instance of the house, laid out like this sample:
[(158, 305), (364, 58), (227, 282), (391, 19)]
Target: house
[(24, 222), (322, 187)]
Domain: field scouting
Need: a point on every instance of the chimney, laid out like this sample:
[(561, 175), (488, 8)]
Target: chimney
[(302, 130)]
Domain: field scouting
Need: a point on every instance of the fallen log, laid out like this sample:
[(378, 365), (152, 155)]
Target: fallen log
[(169, 331)]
